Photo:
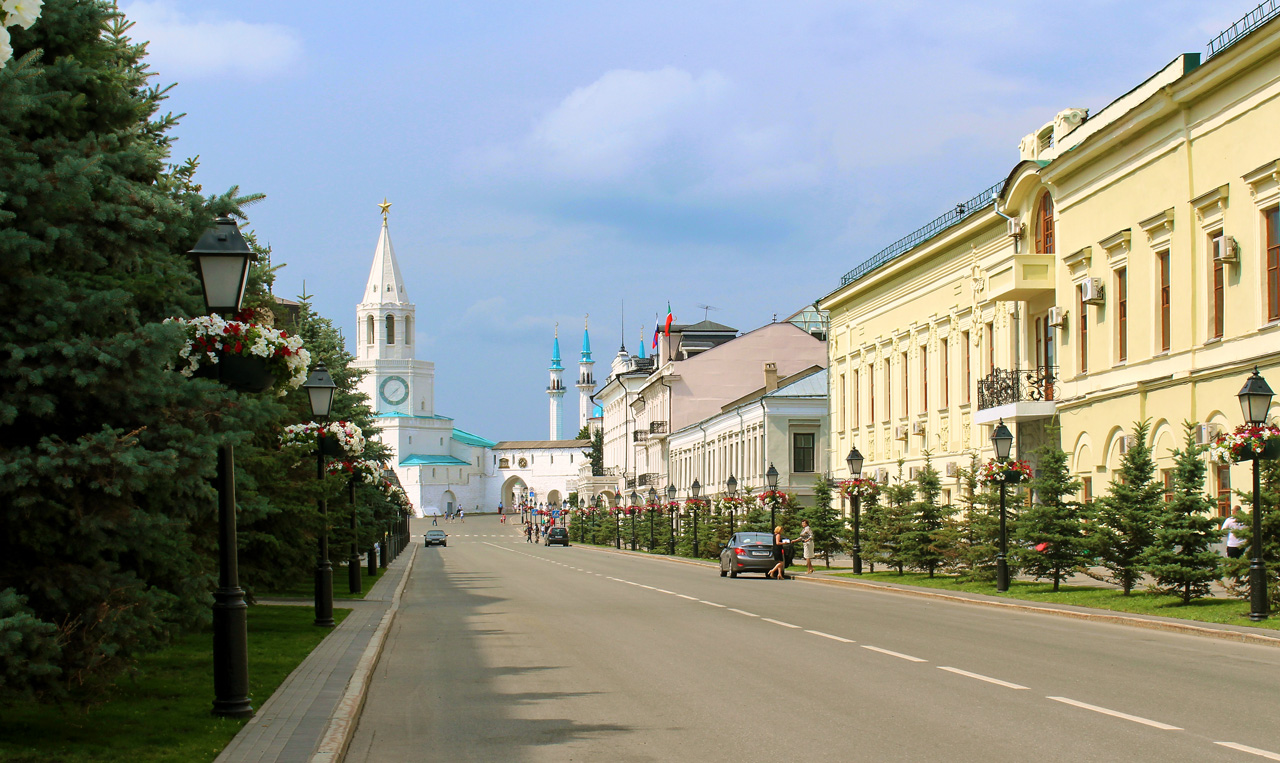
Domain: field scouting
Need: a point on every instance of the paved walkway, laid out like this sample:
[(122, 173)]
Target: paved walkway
[(309, 713)]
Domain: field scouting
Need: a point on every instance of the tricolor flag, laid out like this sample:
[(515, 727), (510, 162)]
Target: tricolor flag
[(657, 331), (670, 318)]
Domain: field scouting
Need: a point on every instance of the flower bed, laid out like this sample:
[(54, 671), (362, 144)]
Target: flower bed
[(1011, 472), (1247, 442), (212, 339)]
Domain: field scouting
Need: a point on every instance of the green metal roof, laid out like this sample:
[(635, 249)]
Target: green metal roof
[(420, 460), (398, 415), (472, 439)]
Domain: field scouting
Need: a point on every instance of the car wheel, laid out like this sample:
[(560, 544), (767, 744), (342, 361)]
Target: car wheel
[(445, 543), (733, 573), (723, 572)]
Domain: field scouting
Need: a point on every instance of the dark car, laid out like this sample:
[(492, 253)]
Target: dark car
[(557, 535), (747, 552), (436, 538)]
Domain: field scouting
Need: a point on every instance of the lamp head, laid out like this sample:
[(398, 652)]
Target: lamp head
[(222, 258), (854, 462), (320, 388), (771, 477), (1002, 440), (732, 485), (695, 489), (1255, 398), (671, 493)]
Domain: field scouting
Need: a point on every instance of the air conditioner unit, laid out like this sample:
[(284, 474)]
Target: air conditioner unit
[(882, 475), (1229, 251), (1127, 442), (952, 469), (1091, 291), (1014, 226), (1057, 317), (917, 427), (900, 432), (1207, 433), (913, 472)]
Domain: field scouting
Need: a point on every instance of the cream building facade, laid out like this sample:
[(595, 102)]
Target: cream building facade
[(1127, 268)]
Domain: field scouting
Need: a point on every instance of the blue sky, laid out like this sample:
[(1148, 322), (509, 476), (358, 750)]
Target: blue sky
[(548, 160)]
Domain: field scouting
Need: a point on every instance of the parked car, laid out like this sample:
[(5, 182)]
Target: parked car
[(556, 535), (436, 538), (747, 552)]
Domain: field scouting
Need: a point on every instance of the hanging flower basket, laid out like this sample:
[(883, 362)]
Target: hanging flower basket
[(1247, 442), (364, 470), (864, 488), (340, 438), (243, 355), (1008, 472)]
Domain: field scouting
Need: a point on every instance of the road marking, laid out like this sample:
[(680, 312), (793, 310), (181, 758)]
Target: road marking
[(748, 614), (663, 590), (981, 677), (1250, 750), (899, 655), (619, 580), (712, 603), (690, 598), (779, 622), (1116, 714), (833, 638), (651, 588)]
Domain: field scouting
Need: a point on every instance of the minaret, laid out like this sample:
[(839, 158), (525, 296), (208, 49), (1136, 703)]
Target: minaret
[(555, 389), (586, 381)]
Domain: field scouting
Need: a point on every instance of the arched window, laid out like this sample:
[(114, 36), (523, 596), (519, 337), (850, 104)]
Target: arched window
[(369, 335), (408, 329), (391, 329), (1044, 225)]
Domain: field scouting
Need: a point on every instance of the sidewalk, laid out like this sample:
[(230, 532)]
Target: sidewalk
[(311, 715)]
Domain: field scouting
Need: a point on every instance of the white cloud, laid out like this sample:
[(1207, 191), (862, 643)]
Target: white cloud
[(180, 45)]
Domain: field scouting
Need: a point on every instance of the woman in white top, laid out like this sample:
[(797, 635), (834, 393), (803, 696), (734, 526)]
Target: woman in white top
[(806, 537)]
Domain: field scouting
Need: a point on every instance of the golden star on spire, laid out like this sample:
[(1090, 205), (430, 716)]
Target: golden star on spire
[(384, 206)]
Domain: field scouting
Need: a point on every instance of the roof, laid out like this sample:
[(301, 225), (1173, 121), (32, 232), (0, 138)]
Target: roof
[(555, 353), (808, 385), (703, 326), (398, 415), (472, 439), (385, 286), (541, 444), (416, 459), (783, 383)]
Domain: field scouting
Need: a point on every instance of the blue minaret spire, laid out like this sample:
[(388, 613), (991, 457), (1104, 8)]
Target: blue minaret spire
[(555, 388), (586, 379)]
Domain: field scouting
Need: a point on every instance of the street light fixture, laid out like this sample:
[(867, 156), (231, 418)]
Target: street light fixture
[(320, 388), (732, 486), (653, 504), (222, 257), (671, 499), (854, 462), (1255, 403), (1002, 442), (694, 491), (771, 478), (635, 501)]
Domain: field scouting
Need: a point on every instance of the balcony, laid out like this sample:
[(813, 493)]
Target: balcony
[(648, 479), (657, 427), (1016, 395), (639, 436), (1019, 277)]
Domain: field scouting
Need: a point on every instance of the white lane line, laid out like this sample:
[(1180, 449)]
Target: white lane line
[(1116, 714), (779, 622), (690, 598), (663, 590), (833, 638), (1250, 750), (651, 588), (981, 677), (899, 655), (618, 580), (748, 614), (712, 603)]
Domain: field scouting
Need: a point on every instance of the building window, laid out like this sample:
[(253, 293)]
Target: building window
[(1217, 282), (1166, 479), (991, 347), (391, 329), (802, 447), (946, 374), (1224, 490), (408, 329), (1083, 339), (844, 405), (888, 390), (1272, 217), (1086, 489), (906, 386), (1044, 225), (855, 400), (924, 379), (1162, 267), (871, 396), (965, 369), (1122, 314), (369, 332)]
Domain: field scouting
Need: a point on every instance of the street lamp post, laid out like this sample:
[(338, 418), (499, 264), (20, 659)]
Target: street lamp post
[(671, 499), (854, 462), (222, 257), (320, 388), (1002, 441), (694, 490), (732, 485), (353, 561), (771, 477), (617, 523), (653, 504), (635, 501), (1255, 402)]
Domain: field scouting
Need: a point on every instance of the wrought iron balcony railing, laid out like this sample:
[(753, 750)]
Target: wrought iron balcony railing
[(639, 436), (657, 427), (1012, 385), (648, 478)]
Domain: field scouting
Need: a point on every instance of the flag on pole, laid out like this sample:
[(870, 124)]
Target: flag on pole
[(657, 330), (670, 318)]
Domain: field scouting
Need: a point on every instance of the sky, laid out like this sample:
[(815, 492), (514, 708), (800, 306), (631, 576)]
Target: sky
[(548, 161)]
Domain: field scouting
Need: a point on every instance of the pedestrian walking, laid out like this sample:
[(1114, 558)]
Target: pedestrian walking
[(461, 515), (1235, 544), (806, 537), (434, 523), (779, 554), (528, 533)]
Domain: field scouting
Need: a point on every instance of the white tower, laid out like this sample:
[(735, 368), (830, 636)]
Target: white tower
[(555, 389), (586, 381)]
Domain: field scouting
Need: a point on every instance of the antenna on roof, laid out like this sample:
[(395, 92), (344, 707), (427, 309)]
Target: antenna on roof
[(706, 309)]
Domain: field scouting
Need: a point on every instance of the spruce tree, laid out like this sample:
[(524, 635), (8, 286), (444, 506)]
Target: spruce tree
[(824, 520), (1050, 533), (924, 542), (893, 521), (979, 526), (1182, 559), (1128, 514), (1238, 569)]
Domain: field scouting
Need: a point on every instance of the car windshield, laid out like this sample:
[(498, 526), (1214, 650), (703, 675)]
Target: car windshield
[(435, 533), (558, 531), (747, 539)]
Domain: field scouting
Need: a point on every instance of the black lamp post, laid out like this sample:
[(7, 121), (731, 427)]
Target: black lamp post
[(320, 388), (671, 499), (694, 490), (653, 504), (1002, 441), (854, 462), (731, 485), (222, 257), (771, 477), (635, 501), (1255, 402), (353, 561), (617, 522)]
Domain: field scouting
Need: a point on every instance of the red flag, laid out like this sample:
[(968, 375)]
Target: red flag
[(670, 318)]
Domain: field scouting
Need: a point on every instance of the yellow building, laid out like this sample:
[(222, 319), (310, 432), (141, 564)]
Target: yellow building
[(1127, 268)]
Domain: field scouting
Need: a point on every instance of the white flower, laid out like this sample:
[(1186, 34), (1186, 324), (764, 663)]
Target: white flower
[(21, 13), (6, 50)]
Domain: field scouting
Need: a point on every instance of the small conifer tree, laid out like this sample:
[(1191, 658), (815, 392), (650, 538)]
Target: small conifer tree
[(824, 520), (1051, 532), (1182, 559), (1128, 514), (924, 542)]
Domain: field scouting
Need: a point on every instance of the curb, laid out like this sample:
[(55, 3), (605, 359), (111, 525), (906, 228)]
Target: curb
[(338, 731), (1244, 637)]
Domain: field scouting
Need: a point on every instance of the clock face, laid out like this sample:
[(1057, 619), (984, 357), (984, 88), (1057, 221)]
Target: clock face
[(394, 390)]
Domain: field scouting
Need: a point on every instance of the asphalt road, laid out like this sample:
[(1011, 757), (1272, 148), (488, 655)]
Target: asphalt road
[(506, 651)]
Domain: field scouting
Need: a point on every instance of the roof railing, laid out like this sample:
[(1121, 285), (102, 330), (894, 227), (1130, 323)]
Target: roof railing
[(963, 210), (1251, 21)]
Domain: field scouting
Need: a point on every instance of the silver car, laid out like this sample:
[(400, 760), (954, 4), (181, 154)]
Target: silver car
[(747, 552)]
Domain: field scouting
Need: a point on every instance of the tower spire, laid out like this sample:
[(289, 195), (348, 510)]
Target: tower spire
[(586, 380), (555, 388)]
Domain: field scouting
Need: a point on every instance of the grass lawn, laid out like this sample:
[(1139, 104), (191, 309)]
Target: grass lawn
[(162, 712), (1214, 610), (307, 590)]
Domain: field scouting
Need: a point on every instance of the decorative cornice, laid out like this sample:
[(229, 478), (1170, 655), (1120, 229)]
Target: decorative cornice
[(1211, 204), (1158, 226), (1117, 247)]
